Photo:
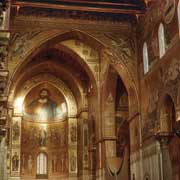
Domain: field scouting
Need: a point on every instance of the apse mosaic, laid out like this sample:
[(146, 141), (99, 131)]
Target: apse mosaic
[(44, 134), (44, 103)]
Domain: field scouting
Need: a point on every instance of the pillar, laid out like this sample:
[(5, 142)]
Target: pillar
[(164, 140), (4, 42), (72, 148), (83, 141)]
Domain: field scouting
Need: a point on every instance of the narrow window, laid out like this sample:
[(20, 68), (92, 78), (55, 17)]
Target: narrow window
[(178, 11), (145, 58), (161, 38), (42, 164)]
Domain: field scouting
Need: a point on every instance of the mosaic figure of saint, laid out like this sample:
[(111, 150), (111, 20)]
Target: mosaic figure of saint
[(73, 162), (23, 164), (42, 137), (15, 162), (30, 164), (73, 132), (54, 163), (53, 136), (16, 131), (62, 136)]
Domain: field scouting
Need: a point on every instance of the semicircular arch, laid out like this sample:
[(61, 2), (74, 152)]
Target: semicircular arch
[(56, 82)]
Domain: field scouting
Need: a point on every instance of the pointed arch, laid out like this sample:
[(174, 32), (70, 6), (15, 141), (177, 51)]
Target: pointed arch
[(101, 46), (166, 113), (56, 39)]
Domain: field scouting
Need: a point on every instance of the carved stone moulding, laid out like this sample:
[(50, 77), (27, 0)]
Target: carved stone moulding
[(164, 137), (2, 120), (3, 83), (2, 132), (4, 38)]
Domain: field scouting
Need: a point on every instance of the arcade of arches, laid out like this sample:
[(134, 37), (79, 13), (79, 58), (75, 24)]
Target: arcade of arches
[(90, 93)]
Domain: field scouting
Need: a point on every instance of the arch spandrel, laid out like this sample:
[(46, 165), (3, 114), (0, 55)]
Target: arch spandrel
[(60, 85), (85, 52), (23, 44), (123, 47)]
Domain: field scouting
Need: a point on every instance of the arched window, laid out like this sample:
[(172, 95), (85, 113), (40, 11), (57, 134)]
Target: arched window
[(42, 164), (178, 11), (161, 37), (145, 58)]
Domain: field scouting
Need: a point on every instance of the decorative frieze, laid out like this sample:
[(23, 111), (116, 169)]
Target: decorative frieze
[(110, 18)]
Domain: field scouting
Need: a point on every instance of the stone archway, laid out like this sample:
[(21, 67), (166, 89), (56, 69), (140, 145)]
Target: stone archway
[(95, 69), (58, 40), (113, 60), (116, 127)]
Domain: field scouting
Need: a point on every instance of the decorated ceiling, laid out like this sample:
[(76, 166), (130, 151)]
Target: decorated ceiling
[(103, 6)]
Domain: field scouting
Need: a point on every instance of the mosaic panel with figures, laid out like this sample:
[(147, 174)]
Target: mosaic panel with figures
[(47, 138)]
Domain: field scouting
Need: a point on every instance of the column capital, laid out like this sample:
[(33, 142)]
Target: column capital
[(164, 138), (178, 112), (177, 132), (106, 138)]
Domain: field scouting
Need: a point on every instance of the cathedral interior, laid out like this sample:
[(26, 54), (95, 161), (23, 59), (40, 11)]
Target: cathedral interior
[(89, 90)]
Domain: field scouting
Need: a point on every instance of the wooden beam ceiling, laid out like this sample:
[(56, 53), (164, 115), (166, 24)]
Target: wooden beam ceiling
[(106, 6)]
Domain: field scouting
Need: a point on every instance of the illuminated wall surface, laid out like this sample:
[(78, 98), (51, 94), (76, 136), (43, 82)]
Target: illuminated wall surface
[(49, 138), (90, 90), (44, 139)]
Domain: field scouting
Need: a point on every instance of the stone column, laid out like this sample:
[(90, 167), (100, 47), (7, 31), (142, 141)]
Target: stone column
[(109, 135), (164, 140), (178, 112), (109, 128), (83, 162), (72, 148), (85, 149)]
